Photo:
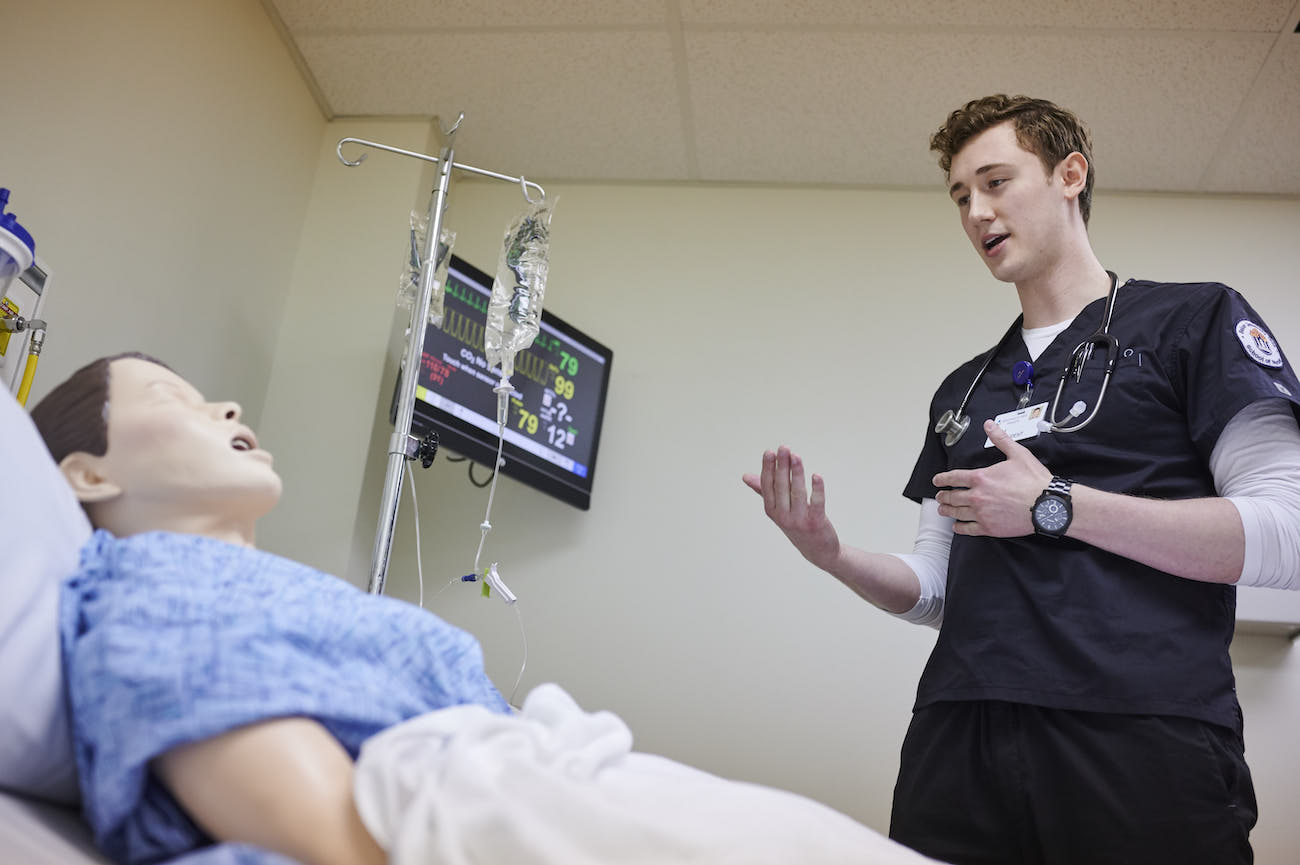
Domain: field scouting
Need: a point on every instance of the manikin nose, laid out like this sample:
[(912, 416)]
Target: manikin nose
[(229, 410)]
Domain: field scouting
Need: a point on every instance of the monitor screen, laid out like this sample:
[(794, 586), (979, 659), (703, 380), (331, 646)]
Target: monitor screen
[(560, 382)]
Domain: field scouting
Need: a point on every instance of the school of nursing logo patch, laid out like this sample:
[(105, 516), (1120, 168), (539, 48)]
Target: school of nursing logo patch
[(1258, 344)]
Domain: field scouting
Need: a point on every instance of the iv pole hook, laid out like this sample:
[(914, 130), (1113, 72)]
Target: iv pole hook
[(447, 133), (524, 184), (482, 172)]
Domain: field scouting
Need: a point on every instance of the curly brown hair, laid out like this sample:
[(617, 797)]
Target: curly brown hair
[(1042, 128)]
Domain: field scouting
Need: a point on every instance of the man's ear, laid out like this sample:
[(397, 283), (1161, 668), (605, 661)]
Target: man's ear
[(84, 475), (1073, 171)]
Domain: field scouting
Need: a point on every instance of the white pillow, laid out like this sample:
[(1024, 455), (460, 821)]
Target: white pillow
[(43, 529)]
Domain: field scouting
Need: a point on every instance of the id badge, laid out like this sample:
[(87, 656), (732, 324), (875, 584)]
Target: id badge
[(1021, 423)]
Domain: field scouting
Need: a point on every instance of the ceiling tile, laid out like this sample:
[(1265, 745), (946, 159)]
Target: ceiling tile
[(1181, 94), (1261, 151), (1239, 15), (308, 16), (596, 105), (860, 107)]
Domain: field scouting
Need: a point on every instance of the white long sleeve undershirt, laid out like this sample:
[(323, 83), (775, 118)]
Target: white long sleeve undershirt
[(1255, 465), (1258, 470)]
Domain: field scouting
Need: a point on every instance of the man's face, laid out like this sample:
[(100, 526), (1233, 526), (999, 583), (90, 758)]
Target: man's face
[(170, 448), (1013, 211)]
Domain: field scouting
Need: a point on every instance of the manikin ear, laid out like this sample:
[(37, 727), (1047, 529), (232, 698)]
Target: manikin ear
[(1073, 171), (82, 471)]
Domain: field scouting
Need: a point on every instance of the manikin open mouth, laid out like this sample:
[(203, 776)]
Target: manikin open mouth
[(994, 241), (243, 443)]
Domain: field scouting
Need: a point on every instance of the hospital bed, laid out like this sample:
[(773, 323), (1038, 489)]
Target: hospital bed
[(584, 785), (38, 833)]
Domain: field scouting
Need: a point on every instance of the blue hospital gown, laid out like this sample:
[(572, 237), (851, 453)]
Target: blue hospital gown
[(171, 638)]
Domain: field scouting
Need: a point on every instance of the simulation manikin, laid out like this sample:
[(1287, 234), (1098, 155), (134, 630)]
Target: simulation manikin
[(221, 693)]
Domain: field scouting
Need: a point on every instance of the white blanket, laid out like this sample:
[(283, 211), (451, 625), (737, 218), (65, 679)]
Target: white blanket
[(555, 785)]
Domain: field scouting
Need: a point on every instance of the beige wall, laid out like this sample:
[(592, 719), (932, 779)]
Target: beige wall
[(742, 318), (162, 155)]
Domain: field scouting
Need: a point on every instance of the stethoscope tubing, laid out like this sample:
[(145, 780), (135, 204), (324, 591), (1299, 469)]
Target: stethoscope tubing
[(953, 425)]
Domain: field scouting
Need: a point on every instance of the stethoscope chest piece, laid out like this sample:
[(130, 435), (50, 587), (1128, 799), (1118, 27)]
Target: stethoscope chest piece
[(952, 426)]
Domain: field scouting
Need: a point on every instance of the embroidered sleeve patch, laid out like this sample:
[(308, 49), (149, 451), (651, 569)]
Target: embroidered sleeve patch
[(1259, 346)]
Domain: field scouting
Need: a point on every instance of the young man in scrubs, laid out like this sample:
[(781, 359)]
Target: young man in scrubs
[(1079, 704)]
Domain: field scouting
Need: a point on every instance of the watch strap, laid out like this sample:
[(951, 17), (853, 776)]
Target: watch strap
[(1060, 486)]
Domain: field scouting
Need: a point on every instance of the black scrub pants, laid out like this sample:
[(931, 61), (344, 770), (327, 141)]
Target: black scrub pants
[(1007, 783)]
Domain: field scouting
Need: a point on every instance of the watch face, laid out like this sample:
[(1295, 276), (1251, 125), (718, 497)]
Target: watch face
[(1051, 514)]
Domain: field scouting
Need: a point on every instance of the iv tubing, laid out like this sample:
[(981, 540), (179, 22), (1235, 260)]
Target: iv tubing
[(524, 637), (419, 556), (503, 394), (419, 569)]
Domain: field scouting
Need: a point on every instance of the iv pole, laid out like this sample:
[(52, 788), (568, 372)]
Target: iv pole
[(403, 446)]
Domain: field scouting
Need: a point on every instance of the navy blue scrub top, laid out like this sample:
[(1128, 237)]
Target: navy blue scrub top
[(1062, 624)]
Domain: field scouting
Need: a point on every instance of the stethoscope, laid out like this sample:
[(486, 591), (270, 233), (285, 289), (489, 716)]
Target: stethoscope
[(953, 424)]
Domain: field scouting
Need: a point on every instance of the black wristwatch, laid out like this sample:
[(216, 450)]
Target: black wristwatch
[(1052, 512)]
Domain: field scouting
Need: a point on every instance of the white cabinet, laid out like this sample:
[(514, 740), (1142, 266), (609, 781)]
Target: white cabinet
[(1268, 611)]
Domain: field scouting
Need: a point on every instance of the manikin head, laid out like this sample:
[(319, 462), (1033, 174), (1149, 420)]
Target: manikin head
[(1020, 173), (144, 451)]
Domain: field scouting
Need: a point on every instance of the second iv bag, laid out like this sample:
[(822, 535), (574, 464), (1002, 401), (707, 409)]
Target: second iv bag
[(408, 289), (515, 311)]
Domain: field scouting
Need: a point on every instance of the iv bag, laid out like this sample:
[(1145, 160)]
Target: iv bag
[(515, 311), (408, 287)]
